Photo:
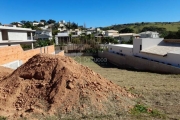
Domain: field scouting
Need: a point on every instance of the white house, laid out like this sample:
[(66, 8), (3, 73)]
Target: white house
[(62, 26), (149, 34), (62, 38), (128, 36), (157, 49), (37, 23), (122, 49), (153, 49), (111, 33), (15, 33), (43, 34)]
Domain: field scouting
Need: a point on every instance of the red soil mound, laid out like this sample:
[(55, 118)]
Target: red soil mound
[(4, 72), (57, 84)]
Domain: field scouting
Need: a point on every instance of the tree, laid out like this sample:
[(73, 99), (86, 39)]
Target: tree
[(126, 30), (44, 21), (23, 21), (0, 24), (50, 21), (109, 40), (40, 25)]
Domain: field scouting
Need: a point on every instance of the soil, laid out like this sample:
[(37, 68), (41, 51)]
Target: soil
[(57, 85), (4, 72)]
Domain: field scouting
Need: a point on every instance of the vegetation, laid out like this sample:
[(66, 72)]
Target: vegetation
[(157, 91), (139, 109), (3, 118), (126, 30), (109, 40), (0, 24)]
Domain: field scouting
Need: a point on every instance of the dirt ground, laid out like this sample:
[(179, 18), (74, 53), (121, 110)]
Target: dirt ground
[(158, 91)]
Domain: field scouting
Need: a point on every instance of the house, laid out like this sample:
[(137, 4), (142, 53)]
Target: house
[(149, 34), (112, 33), (62, 38), (128, 36), (14, 35), (158, 49), (62, 26), (37, 23), (43, 34), (153, 49), (121, 49)]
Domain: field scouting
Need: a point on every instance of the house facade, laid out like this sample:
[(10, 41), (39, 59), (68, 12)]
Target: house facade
[(153, 49), (15, 33), (128, 36), (43, 34), (149, 34)]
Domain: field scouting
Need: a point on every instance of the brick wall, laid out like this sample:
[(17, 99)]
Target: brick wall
[(12, 53)]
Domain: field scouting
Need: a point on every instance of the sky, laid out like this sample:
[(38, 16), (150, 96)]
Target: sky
[(94, 13)]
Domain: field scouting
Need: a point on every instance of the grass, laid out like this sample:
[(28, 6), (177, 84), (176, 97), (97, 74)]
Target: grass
[(3, 118), (140, 108), (158, 91)]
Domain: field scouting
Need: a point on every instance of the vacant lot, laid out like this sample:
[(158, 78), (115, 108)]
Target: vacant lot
[(157, 91)]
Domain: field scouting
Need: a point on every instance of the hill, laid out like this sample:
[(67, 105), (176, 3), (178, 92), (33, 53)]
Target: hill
[(137, 27)]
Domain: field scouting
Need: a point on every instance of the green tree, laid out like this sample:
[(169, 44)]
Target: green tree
[(0, 24), (126, 30), (23, 21), (50, 21)]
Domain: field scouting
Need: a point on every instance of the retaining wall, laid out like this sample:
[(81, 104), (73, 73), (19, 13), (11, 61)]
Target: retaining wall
[(14, 56), (139, 63)]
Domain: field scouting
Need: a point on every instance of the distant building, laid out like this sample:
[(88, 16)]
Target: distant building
[(62, 38), (128, 36), (15, 33), (37, 23), (149, 34), (43, 34), (62, 26)]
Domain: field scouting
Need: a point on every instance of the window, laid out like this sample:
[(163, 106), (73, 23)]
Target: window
[(140, 47), (120, 50), (110, 48)]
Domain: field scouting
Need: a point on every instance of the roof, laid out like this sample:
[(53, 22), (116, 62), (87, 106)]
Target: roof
[(128, 34), (16, 28), (149, 32), (161, 50), (62, 35), (122, 45), (112, 31)]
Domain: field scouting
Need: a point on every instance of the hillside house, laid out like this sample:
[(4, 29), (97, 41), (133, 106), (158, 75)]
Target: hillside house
[(149, 34)]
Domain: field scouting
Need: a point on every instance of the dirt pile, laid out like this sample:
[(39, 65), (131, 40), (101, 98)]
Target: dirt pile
[(57, 84), (4, 72)]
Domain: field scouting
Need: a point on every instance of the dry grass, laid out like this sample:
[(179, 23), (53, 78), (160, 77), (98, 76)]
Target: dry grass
[(158, 91)]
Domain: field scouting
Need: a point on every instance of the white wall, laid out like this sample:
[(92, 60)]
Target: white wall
[(136, 46), (145, 43), (0, 36), (17, 35), (149, 42), (174, 59), (120, 50)]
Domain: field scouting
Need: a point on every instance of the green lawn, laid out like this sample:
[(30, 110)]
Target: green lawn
[(158, 91)]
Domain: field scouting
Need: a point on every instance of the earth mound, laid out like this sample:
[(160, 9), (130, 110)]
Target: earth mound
[(49, 84), (4, 72)]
